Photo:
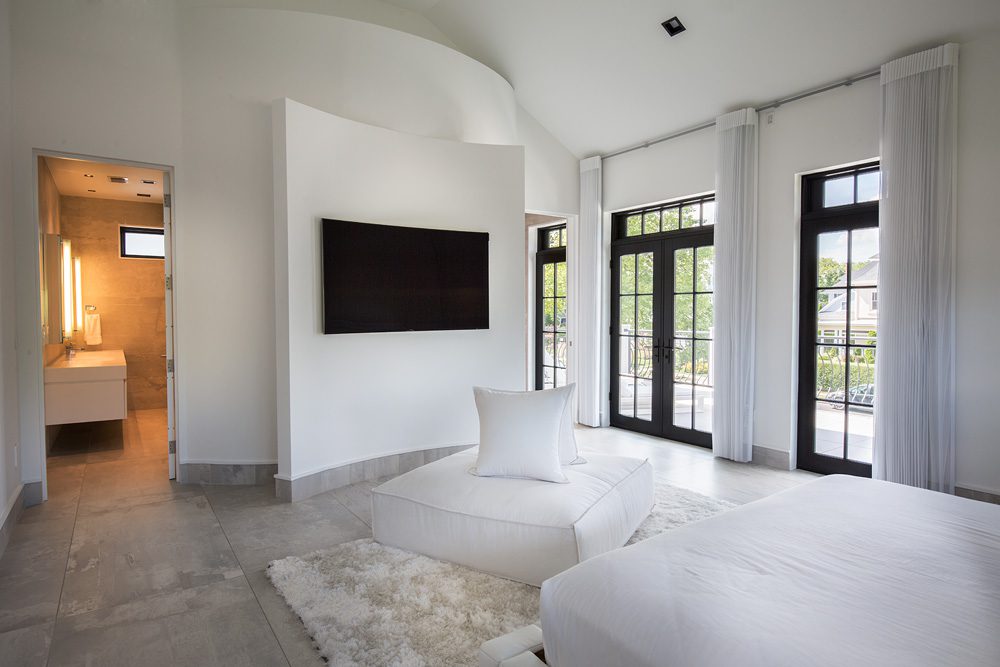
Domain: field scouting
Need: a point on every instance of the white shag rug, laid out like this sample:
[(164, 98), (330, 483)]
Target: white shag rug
[(368, 604)]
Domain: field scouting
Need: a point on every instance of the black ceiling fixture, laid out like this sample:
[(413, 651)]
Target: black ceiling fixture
[(673, 26)]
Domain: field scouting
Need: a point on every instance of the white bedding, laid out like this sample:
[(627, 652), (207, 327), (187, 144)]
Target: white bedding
[(838, 571)]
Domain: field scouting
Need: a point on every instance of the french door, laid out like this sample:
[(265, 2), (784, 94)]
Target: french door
[(551, 341), (838, 331), (662, 314)]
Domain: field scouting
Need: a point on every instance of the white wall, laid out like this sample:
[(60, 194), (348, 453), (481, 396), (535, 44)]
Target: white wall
[(673, 169), (191, 87), (352, 397), (826, 130), (831, 129), (10, 476), (978, 363), (551, 173), (98, 78)]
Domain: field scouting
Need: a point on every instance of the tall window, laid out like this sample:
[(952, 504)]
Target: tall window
[(551, 343), (662, 320), (838, 320)]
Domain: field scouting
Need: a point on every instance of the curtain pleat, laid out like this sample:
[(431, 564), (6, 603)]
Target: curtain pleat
[(588, 338), (735, 284), (915, 363)]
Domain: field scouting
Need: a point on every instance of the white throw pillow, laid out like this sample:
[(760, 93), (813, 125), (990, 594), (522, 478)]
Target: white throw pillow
[(568, 454), (567, 437), (519, 433)]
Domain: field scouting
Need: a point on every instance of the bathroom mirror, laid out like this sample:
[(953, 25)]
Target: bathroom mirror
[(51, 280)]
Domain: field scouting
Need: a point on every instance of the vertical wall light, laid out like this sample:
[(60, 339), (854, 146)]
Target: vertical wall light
[(78, 293), (67, 289)]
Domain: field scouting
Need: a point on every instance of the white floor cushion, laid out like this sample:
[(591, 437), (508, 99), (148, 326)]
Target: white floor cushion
[(521, 529)]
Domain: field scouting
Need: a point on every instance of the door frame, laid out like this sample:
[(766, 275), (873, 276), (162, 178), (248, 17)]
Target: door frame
[(169, 264), (663, 247), (654, 424), (661, 243), (814, 221), (681, 240), (572, 221), (543, 257)]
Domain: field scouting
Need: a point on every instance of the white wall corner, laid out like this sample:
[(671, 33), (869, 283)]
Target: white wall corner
[(282, 391)]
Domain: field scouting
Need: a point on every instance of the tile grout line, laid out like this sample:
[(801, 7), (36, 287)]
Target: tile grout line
[(245, 577), (352, 512), (69, 551)]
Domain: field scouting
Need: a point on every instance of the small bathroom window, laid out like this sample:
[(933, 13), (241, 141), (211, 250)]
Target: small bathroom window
[(142, 242)]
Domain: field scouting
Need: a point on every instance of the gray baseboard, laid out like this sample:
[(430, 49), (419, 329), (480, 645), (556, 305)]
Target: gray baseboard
[(772, 458), (352, 473), (7, 527), (31, 493), (227, 473), (975, 494)]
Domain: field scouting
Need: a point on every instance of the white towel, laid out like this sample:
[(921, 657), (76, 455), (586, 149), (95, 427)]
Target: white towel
[(92, 329)]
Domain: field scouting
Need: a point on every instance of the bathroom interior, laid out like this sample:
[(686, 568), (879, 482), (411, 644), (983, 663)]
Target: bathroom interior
[(104, 316)]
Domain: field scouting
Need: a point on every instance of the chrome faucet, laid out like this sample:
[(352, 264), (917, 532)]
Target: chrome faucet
[(70, 350)]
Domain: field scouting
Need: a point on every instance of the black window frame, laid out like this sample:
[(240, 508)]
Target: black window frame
[(662, 244), (817, 219), (546, 253), (619, 220), (151, 231)]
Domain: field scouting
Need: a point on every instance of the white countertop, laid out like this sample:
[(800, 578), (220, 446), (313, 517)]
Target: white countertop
[(88, 366)]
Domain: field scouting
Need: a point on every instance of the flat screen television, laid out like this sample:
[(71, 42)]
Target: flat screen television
[(388, 278)]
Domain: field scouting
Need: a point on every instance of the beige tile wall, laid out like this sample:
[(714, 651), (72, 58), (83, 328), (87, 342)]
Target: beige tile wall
[(128, 293)]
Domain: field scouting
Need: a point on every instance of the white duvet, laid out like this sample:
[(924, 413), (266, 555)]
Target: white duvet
[(839, 571)]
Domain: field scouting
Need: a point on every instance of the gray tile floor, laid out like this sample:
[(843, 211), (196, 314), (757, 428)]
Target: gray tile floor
[(123, 567)]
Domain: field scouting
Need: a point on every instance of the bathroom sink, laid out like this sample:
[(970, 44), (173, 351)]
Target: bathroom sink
[(87, 366), (90, 387)]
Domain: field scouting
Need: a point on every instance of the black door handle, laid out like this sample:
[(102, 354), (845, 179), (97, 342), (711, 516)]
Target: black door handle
[(660, 349)]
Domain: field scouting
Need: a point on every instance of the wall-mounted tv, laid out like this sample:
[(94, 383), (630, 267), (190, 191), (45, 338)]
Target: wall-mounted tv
[(388, 278)]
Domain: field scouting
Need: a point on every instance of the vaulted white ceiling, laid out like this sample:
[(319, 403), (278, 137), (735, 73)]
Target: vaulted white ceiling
[(602, 74)]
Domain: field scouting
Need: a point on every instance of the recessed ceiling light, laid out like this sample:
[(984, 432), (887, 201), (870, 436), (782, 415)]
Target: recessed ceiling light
[(118, 179), (88, 175), (673, 26)]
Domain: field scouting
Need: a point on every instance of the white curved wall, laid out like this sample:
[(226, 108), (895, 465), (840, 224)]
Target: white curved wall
[(345, 398), (192, 87), (355, 70), (234, 63), (378, 12)]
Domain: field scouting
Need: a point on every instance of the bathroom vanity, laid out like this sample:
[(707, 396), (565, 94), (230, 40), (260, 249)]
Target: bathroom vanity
[(87, 387)]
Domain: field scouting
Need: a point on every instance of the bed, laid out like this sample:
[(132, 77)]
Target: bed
[(837, 571)]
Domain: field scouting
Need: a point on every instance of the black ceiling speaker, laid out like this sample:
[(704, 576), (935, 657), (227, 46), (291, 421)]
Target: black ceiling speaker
[(673, 26)]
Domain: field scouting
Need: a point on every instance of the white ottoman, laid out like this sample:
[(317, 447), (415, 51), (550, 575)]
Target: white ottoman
[(520, 529)]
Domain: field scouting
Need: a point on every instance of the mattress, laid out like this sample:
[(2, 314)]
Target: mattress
[(520, 529), (838, 571)]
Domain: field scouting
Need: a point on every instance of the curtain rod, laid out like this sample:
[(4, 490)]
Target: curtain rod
[(771, 105)]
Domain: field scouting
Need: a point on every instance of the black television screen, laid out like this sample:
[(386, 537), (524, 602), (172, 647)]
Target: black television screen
[(387, 278)]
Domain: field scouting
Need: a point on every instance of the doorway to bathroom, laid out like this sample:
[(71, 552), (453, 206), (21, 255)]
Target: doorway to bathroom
[(106, 298)]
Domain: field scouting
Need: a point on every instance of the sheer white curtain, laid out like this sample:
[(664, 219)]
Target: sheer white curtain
[(735, 283), (915, 368), (590, 239)]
